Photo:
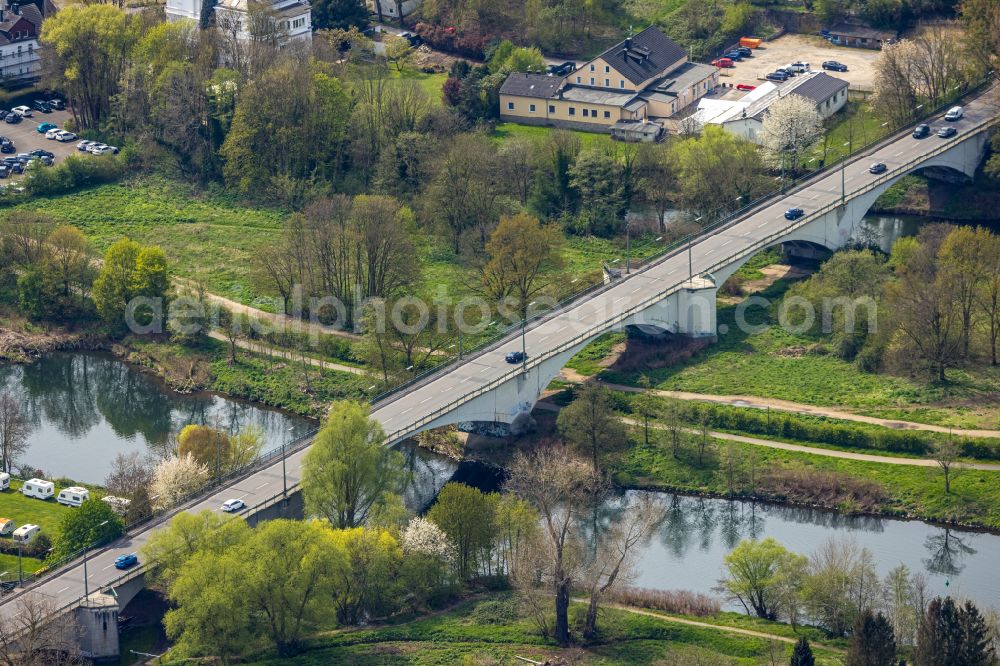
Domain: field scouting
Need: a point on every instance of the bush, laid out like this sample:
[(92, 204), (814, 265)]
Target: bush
[(38, 547), (506, 610), (681, 602), (75, 172)]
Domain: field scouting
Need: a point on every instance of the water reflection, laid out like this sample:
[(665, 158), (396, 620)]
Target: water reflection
[(947, 552), (88, 407)]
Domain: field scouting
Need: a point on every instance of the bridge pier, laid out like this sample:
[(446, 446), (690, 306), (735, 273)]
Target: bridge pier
[(97, 619), (696, 308)]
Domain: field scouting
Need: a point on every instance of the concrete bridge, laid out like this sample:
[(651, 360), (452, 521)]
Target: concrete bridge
[(676, 293)]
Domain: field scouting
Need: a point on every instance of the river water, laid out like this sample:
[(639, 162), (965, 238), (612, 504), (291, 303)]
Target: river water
[(88, 407)]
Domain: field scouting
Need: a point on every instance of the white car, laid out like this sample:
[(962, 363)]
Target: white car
[(52, 133), (22, 111), (64, 136), (230, 506), (84, 145), (103, 149)]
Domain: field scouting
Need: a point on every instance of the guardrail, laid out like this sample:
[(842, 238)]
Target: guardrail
[(679, 247)]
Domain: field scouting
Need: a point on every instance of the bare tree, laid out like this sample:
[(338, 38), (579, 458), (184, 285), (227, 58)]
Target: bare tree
[(33, 637), (130, 478), (15, 428), (895, 96), (946, 455), (613, 556), (558, 484)]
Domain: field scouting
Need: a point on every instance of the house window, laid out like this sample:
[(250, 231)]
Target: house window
[(572, 111), (621, 84), (531, 108), (591, 66), (510, 106), (593, 112), (591, 80), (606, 69), (607, 114), (585, 113), (607, 83), (552, 108), (579, 80)]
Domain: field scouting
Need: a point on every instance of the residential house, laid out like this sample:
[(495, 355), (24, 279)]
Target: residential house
[(388, 9), (20, 25), (852, 34), (294, 17), (744, 117), (635, 82)]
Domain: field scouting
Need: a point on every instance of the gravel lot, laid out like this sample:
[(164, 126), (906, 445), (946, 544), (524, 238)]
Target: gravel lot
[(810, 48)]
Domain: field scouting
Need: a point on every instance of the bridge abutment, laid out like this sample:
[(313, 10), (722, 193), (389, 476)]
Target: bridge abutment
[(97, 619)]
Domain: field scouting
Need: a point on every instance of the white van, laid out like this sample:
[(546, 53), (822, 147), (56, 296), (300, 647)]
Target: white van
[(4, 480), (39, 488), (26, 533), (73, 496), (954, 113)]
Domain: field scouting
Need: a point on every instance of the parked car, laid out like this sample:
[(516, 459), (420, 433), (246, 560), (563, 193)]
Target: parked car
[(745, 51), (4, 171), (51, 134), (516, 357), (722, 62), (103, 149), (45, 127), (64, 137), (12, 118), (745, 86), (878, 167), (47, 160), (22, 111), (954, 113), (921, 130), (84, 145), (57, 104), (735, 56), (947, 132), (41, 105), (126, 561), (229, 506), (567, 67), (794, 213), (13, 165), (799, 67), (38, 152), (777, 76), (834, 66), (787, 69), (6, 145)]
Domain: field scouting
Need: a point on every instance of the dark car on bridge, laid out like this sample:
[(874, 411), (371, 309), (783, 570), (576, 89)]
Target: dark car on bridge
[(794, 213), (515, 357), (878, 167), (921, 130), (947, 132)]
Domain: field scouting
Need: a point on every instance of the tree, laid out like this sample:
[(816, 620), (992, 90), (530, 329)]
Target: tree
[(988, 297), (873, 642), (950, 635), (590, 424), (339, 14), (598, 179), (895, 96), (841, 585), (657, 178), (982, 39), (94, 523), (364, 587), (396, 49), (15, 429), (169, 549), (177, 477), (946, 454), (645, 405), (349, 469), (558, 485), (208, 446), (29, 637), (753, 571), (130, 478), (519, 253), (130, 271), (69, 255), (790, 128), (802, 654), (466, 515), (959, 257)]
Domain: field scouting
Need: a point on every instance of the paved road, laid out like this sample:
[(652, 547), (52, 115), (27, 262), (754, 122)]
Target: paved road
[(400, 412)]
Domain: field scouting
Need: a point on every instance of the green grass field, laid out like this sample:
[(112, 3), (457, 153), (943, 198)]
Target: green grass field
[(506, 131), (463, 636)]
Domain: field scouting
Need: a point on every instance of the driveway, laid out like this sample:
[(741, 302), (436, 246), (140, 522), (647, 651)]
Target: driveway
[(809, 48)]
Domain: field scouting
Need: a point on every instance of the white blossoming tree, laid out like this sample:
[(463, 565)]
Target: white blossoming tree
[(427, 555), (791, 126), (426, 538), (177, 477)]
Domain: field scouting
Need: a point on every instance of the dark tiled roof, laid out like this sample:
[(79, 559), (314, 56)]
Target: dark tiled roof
[(863, 31), (820, 87), (531, 85), (643, 56)]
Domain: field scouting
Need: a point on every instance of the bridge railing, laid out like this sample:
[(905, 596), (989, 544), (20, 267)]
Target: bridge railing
[(668, 251), (610, 324)]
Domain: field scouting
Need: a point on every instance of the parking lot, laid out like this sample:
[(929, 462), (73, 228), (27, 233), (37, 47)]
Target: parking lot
[(809, 48), (26, 137)]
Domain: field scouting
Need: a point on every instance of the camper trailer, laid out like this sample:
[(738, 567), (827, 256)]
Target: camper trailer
[(39, 488), (26, 533), (6, 526), (4, 480), (73, 496), (119, 504)]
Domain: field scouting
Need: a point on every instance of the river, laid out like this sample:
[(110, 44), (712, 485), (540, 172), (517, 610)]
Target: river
[(88, 407)]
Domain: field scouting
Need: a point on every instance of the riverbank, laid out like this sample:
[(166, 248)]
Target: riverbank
[(916, 194)]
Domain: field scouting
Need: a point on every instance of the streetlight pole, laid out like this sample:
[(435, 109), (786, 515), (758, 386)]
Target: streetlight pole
[(843, 177), (20, 569), (690, 260), (86, 583), (524, 348), (628, 247), (284, 473)]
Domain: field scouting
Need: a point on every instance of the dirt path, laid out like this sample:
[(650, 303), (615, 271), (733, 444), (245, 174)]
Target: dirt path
[(287, 355), (786, 406), (799, 448)]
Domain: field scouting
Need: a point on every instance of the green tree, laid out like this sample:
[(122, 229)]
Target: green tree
[(349, 469), (129, 271), (520, 252), (363, 588), (467, 516), (645, 405), (93, 523), (873, 642), (951, 635), (39, 293), (339, 14), (590, 423), (753, 570), (598, 179), (209, 446), (169, 548), (802, 654)]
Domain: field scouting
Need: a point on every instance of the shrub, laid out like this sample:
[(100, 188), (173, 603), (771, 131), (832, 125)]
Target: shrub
[(75, 172), (506, 610), (681, 602)]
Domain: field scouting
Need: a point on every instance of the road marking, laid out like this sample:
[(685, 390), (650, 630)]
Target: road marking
[(425, 400), (266, 483), (405, 410), (636, 289), (726, 243), (900, 153), (107, 567), (60, 591), (485, 368)]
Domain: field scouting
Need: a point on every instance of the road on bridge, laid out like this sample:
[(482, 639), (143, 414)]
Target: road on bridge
[(403, 413)]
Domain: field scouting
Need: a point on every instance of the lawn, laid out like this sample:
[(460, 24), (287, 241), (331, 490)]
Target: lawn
[(209, 236), (48, 514), (506, 131), (854, 125), (431, 83), (466, 634), (779, 364)]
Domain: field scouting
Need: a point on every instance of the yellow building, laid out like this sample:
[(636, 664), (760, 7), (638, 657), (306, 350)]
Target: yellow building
[(622, 91)]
